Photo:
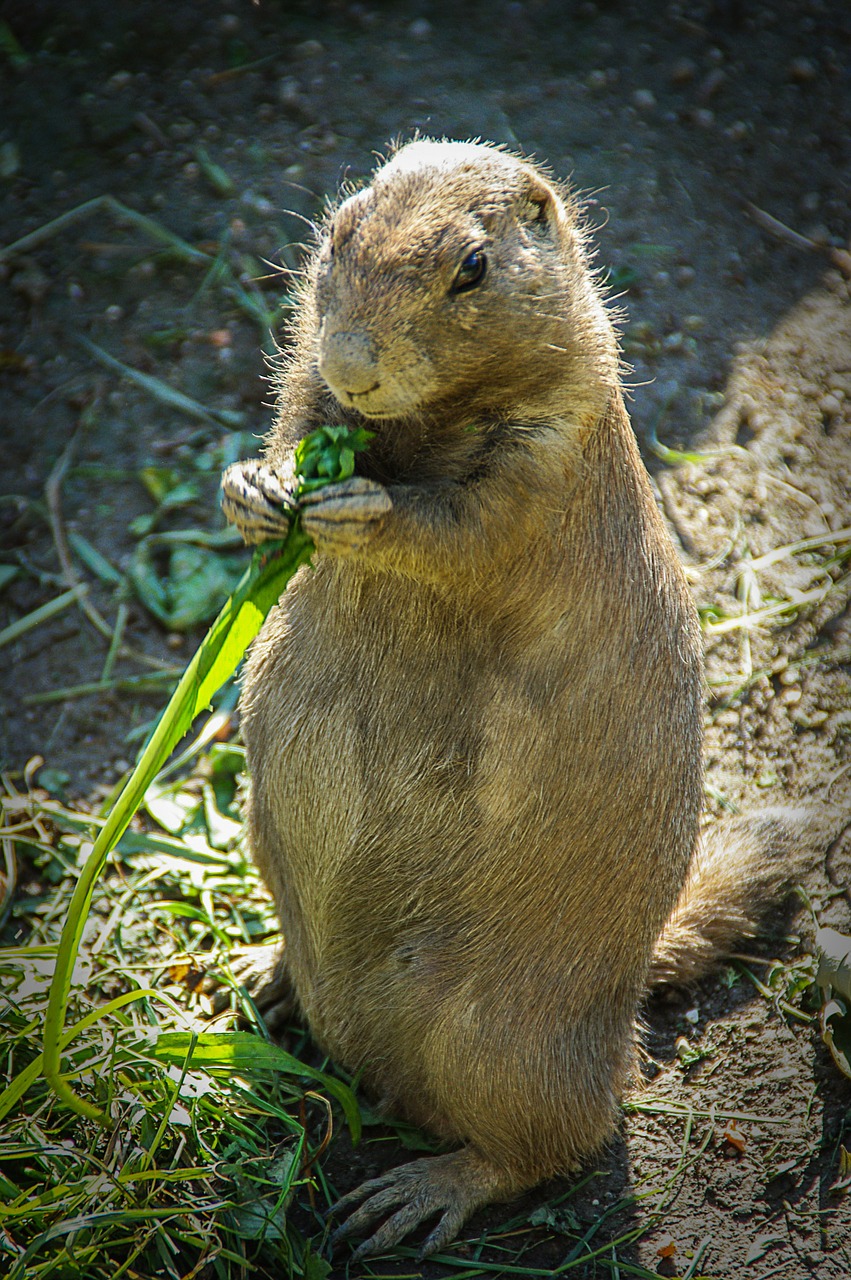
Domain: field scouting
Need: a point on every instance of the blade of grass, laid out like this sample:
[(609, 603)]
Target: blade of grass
[(828, 538), (151, 681), (240, 1051), (122, 211), (17, 629), (215, 660), (93, 559), (28, 1076), (770, 611), (161, 390)]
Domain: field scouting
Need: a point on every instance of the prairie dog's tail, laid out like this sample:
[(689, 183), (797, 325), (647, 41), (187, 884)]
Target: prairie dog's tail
[(742, 868)]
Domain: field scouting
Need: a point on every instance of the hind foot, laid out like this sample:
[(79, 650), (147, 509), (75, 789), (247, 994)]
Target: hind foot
[(452, 1186)]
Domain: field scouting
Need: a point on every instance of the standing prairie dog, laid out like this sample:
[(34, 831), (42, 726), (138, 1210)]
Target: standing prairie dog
[(474, 728)]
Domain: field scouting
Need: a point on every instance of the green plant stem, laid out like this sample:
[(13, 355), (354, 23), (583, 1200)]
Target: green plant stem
[(215, 660), (26, 1078)]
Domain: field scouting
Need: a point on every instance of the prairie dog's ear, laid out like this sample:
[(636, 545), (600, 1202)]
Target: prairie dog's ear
[(540, 203)]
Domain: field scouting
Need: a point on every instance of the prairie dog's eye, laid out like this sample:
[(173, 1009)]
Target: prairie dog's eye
[(471, 272)]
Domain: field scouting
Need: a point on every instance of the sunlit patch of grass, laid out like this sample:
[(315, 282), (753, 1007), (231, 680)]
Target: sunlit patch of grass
[(211, 1132)]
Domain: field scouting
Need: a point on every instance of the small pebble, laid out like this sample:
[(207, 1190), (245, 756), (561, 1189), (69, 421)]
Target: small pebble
[(711, 84), (830, 405), (802, 70), (685, 274), (597, 80), (289, 90), (420, 29), (692, 1015), (114, 313), (737, 131), (309, 49), (644, 99), (683, 71), (791, 695), (728, 719), (703, 117), (119, 81)]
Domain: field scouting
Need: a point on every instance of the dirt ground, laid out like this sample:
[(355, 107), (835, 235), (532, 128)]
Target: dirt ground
[(227, 124)]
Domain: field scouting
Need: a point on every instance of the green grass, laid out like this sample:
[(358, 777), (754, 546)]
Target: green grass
[(132, 1129), (211, 1132), (214, 1136)]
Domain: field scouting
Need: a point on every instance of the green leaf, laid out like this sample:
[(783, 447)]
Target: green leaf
[(561, 1219), (240, 1052), (214, 662), (197, 583), (328, 454), (313, 1267)]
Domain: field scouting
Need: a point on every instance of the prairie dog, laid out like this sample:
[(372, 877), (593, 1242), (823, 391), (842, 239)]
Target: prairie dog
[(474, 729)]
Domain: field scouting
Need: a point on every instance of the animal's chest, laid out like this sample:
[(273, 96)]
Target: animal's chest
[(389, 714)]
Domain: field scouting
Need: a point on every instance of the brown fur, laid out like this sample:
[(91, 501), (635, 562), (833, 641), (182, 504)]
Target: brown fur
[(473, 730)]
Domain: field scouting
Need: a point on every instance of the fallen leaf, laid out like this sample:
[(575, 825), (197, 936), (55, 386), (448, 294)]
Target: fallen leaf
[(667, 1247), (732, 1134), (197, 582)]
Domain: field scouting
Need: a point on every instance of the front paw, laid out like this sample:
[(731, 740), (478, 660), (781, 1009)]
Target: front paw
[(342, 518), (258, 500)]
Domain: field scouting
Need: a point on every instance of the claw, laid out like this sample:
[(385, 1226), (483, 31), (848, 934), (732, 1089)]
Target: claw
[(343, 517), (442, 1235), (257, 500), (451, 1186), (386, 1196), (388, 1235)]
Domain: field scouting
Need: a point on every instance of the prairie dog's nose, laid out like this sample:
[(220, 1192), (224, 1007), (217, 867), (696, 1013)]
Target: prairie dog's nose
[(348, 362)]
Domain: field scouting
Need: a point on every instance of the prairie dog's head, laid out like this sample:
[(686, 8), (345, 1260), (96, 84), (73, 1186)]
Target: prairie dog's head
[(459, 277)]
